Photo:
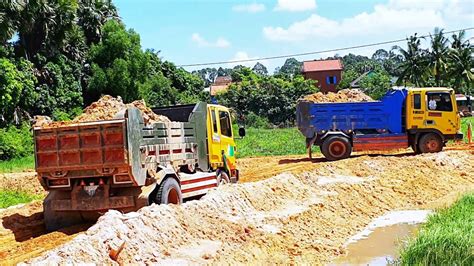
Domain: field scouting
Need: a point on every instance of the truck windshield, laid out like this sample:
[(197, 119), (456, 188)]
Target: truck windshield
[(439, 101)]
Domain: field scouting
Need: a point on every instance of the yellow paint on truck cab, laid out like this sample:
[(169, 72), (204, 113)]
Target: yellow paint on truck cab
[(220, 138), (432, 108)]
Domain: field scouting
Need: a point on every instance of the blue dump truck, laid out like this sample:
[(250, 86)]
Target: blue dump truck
[(421, 118)]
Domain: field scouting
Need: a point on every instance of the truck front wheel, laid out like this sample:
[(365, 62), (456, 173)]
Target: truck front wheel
[(169, 192), (336, 148), (430, 142)]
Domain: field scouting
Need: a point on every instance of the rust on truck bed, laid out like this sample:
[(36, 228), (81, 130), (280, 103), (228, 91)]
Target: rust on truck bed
[(99, 147)]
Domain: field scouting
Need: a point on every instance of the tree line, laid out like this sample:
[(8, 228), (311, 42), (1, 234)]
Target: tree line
[(58, 56)]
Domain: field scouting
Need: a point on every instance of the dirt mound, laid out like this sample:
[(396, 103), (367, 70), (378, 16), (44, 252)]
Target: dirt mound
[(342, 96), (23, 235), (24, 182), (293, 218), (107, 107)]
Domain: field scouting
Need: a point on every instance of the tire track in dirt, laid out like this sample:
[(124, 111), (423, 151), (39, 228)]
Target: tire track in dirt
[(301, 217)]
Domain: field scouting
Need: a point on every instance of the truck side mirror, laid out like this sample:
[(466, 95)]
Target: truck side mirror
[(242, 132)]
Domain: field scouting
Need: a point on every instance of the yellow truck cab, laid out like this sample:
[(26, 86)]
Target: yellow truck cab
[(220, 139), (434, 111)]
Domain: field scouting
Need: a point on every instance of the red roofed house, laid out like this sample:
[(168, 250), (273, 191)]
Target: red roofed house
[(220, 85), (328, 73)]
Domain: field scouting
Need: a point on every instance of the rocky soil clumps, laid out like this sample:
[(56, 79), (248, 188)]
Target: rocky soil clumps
[(342, 96)]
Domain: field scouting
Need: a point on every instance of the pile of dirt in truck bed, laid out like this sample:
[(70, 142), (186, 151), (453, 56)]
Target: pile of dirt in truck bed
[(303, 216), (342, 96), (106, 108)]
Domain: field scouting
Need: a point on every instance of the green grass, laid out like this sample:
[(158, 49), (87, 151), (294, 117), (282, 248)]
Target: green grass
[(446, 239), (9, 198), (17, 165), (268, 142), (464, 122)]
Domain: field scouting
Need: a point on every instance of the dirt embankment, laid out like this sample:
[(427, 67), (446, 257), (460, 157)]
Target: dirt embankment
[(22, 232), (304, 215)]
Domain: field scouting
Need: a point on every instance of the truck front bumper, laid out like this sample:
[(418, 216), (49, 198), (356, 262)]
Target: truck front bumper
[(457, 136)]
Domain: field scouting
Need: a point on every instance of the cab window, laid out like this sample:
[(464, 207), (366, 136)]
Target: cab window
[(439, 101), (226, 127), (214, 120), (416, 101)]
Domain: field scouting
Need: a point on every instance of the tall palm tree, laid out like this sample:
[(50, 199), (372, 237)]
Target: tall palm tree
[(461, 62), (438, 62), (414, 67), (92, 15)]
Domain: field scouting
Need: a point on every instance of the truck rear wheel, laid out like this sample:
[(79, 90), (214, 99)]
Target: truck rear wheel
[(169, 192), (336, 148), (430, 142)]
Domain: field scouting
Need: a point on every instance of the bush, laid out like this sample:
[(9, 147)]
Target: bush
[(253, 120), (15, 142)]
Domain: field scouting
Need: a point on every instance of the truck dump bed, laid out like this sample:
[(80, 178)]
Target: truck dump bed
[(82, 150), (385, 114)]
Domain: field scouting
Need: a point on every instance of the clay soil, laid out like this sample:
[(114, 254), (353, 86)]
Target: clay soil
[(342, 96), (106, 108), (286, 209)]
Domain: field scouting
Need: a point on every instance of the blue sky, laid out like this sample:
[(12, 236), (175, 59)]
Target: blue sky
[(188, 32)]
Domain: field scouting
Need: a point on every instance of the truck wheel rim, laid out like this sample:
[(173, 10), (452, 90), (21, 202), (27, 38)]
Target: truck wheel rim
[(173, 196), (337, 148), (432, 144)]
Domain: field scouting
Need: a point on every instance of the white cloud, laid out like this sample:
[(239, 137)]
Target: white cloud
[(384, 19), (249, 8), (241, 55), (201, 41), (295, 5)]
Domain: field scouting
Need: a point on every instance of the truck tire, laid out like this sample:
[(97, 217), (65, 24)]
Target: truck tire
[(222, 178), (55, 220), (430, 142), (336, 148), (169, 192)]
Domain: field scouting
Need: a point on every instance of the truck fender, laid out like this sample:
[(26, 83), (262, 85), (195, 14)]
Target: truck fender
[(417, 134), (334, 133)]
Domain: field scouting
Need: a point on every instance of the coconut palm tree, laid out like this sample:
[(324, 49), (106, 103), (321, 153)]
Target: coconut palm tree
[(461, 62), (438, 55), (92, 15), (414, 67)]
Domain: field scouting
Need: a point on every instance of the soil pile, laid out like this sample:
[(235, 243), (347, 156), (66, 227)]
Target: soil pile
[(299, 217), (342, 96), (107, 107)]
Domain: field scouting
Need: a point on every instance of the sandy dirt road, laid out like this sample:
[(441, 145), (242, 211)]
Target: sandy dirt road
[(303, 215)]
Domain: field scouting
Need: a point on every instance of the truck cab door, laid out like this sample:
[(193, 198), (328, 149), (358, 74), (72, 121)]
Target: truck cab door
[(220, 138), (441, 112), (227, 147), (214, 138)]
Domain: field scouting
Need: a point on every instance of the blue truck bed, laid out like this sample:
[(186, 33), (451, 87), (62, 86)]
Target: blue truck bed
[(385, 114)]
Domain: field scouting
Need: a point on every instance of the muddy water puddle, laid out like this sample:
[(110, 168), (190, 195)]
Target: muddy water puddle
[(380, 242)]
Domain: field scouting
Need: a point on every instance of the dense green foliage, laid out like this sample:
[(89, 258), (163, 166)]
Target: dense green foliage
[(57, 56), (10, 198), (270, 97), (15, 142), (446, 239), (447, 62)]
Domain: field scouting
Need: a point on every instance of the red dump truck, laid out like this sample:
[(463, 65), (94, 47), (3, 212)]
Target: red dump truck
[(124, 164)]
